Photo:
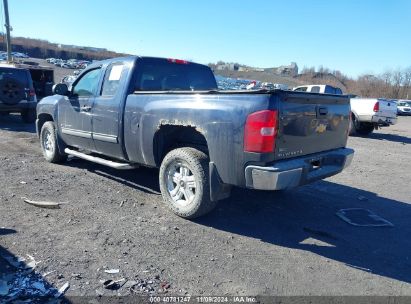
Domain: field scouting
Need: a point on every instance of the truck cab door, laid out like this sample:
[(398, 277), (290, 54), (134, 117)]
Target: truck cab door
[(107, 111), (75, 116)]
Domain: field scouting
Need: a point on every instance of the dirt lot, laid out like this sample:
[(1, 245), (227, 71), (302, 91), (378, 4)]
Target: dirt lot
[(255, 243)]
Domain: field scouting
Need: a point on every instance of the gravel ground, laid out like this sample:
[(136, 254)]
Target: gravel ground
[(255, 243)]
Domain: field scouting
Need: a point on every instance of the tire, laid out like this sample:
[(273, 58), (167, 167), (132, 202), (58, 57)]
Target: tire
[(353, 125), (29, 116), (11, 91), (48, 141), (365, 129), (186, 169)]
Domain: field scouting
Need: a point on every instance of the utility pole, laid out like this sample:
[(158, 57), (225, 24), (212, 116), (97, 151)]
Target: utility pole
[(7, 25)]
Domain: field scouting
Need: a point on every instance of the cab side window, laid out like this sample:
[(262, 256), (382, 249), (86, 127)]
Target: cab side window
[(302, 89), (112, 79), (315, 89), (88, 83)]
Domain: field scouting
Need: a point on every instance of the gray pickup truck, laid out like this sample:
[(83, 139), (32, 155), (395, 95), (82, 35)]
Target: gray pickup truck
[(167, 113)]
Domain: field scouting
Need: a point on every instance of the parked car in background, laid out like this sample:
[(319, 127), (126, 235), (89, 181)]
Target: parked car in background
[(17, 94), (318, 88), (19, 55), (84, 64), (404, 107), (273, 86), (59, 62), (371, 113), (168, 113), (69, 79)]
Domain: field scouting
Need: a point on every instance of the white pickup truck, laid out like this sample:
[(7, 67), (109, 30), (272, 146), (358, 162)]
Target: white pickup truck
[(371, 113), (367, 113), (318, 88)]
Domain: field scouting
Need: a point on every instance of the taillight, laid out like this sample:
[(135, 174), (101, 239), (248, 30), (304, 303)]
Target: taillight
[(178, 61), (260, 131), (32, 92), (377, 106)]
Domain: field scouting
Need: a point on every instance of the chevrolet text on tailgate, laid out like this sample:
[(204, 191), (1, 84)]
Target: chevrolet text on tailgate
[(168, 113)]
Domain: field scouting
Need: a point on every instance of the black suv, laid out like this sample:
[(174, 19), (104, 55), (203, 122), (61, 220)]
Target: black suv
[(17, 92)]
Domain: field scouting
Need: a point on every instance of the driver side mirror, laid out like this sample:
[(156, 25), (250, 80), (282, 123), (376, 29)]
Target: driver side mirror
[(61, 89)]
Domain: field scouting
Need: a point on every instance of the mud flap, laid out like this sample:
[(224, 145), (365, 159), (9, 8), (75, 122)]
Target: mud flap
[(218, 190)]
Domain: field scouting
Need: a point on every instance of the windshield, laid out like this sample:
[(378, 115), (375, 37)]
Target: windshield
[(156, 74)]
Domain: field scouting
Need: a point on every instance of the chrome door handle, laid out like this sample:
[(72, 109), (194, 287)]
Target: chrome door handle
[(85, 108)]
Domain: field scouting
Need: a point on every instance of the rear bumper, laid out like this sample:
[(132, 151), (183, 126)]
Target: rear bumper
[(292, 173), (403, 112), (378, 119), (21, 106), (384, 121)]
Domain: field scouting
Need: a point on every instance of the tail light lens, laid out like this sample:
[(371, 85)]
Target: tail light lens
[(377, 106), (261, 131), (30, 94)]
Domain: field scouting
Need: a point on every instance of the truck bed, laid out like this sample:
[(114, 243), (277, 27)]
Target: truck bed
[(308, 123)]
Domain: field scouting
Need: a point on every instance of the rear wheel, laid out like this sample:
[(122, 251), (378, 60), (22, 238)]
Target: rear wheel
[(48, 140), (29, 116), (184, 182), (360, 128), (353, 125), (365, 128)]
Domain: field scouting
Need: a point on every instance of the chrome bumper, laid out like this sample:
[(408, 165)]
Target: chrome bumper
[(288, 174)]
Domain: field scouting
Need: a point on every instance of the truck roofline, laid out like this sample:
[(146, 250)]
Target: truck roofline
[(131, 59)]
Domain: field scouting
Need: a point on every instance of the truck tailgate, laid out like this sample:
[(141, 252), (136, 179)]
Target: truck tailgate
[(387, 109), (311, 123)]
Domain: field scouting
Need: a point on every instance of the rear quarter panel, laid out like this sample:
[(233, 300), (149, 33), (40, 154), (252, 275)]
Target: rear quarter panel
[(363, 106)]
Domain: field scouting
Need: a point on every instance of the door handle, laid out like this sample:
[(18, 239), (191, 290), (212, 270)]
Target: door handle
[(85, 108)]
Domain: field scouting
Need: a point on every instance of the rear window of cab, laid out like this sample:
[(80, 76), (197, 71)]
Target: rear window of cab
[(173, 75)]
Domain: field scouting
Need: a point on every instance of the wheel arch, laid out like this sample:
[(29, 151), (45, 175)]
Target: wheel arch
[(41, 119), (169, 137)]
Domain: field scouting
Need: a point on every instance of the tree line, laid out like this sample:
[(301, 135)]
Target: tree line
[(392, 84)]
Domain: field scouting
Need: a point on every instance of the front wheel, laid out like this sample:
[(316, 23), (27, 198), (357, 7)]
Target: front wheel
[(48, 140), (184, 182)]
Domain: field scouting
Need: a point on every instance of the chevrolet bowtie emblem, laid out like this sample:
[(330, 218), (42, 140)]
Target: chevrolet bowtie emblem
[(321, 128)]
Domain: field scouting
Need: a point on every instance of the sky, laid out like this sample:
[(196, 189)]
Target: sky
[(353, 36)]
